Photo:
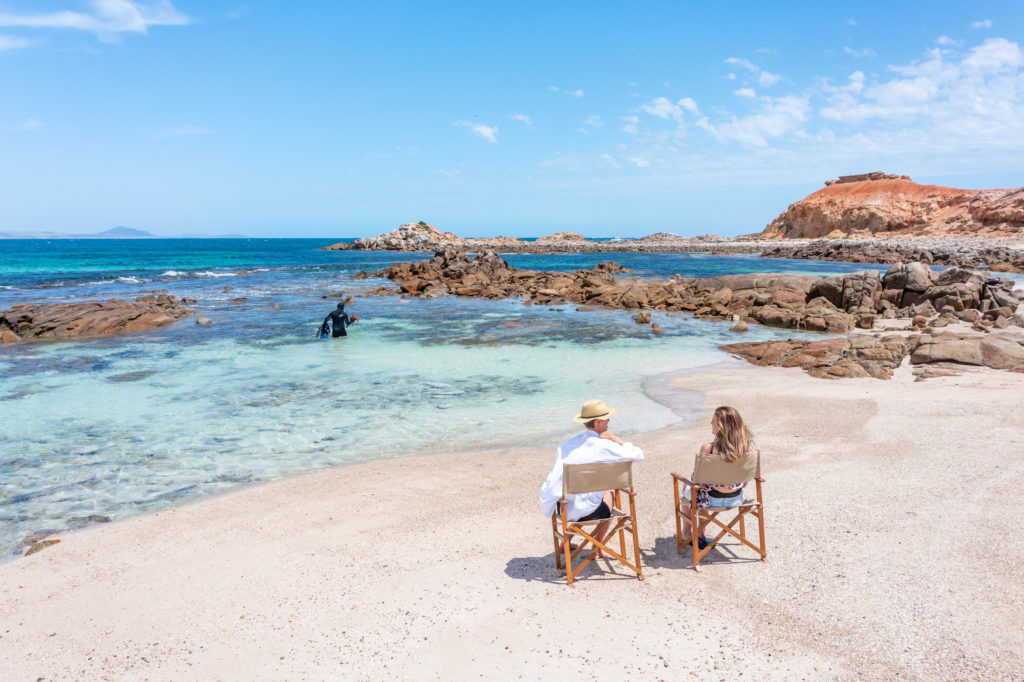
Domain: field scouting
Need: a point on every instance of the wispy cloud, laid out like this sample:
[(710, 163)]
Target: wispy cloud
[(524, 119), (984, 23), (489, 133), (631, 124), (859, 54), (594, 122), (182, 131), (577, 93), (764, 78), (106, 20), (29, 124), (851, 22), (13, 43), (744, 92), (662, 107)]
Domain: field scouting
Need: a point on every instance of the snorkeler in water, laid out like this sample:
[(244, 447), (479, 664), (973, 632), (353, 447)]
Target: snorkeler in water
[(339, 321)]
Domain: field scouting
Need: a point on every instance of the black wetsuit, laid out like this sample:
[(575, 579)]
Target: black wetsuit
[(339, 320)]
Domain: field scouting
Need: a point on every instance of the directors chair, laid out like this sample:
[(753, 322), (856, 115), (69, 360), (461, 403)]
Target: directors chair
[(713, 470), (588, 478)]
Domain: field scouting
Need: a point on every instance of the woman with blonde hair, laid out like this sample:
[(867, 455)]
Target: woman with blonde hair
[(731, 440)]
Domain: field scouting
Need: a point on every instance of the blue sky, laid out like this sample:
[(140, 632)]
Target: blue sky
[(338, 119)]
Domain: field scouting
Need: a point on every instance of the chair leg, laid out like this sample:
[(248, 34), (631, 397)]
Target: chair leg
[(636, 539), (566, 548), (679, 525), (554, 538)]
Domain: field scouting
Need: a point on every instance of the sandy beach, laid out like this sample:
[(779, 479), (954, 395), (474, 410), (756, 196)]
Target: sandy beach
[(891, 555)]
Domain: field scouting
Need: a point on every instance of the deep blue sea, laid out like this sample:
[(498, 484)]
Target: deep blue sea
[(134, 423)]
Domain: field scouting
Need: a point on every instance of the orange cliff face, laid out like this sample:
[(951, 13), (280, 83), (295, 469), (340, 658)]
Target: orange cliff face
[(885, 206)]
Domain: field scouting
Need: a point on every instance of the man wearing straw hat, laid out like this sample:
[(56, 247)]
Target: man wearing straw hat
[(596, 444)]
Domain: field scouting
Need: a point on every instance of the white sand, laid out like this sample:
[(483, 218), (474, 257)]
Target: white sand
[(894, 551)]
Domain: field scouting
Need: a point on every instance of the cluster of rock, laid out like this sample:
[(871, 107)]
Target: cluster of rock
[(423, 237), (1002, 258), (864, 356), (832, 304), (861, 177), (877, 203), (24, 321)]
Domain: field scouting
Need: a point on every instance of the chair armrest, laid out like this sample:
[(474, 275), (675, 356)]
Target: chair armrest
[(684, 479)]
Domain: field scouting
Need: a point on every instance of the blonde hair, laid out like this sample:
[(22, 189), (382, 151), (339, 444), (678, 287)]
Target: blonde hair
[(733, 440)]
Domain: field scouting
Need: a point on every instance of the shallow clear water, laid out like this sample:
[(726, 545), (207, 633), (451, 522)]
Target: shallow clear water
[(122, 425)]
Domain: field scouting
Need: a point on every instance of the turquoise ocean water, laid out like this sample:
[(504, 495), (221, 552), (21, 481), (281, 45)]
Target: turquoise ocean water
[(140, 422)]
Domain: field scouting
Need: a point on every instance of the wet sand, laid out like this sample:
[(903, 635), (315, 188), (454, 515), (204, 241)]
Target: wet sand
[(892, 553)]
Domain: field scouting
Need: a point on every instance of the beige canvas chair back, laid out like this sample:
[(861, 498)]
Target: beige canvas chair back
[(713, 470), (588, 478)]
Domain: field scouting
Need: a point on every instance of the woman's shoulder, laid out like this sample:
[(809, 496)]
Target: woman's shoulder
[(705, 448)]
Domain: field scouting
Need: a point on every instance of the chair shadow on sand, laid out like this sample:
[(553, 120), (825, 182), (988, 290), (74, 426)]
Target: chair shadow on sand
[(665, 555)]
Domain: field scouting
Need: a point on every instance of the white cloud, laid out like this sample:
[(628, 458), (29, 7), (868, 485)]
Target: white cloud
[(609, 160), (859, 54), (523, 118), (489, 133), (639, 162), (746, 64), (971, 105), (745, 92), (576, 93), (946, 41), (664, 108), (108, 18), (594, 122), (851, 22), (553, 88), (984, 23), (764, 78), (631, 124), (12, 43), (775, 117)]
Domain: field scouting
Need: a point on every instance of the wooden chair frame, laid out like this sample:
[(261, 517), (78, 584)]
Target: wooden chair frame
[(701, 518), (596, 478)]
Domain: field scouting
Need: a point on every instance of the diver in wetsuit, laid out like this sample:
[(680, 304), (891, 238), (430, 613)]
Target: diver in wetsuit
[(339, 320)]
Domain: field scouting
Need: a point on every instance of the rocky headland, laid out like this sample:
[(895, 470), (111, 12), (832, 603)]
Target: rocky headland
[(968, 252), (923, 300), (53, 321), (880, 204)]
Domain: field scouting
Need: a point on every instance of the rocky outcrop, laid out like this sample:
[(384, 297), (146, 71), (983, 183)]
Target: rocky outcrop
[(93, 318), (832, 304), (853, 357), (1001, 258), (880, 204), (864, 356), (424, 237), (559, 237)]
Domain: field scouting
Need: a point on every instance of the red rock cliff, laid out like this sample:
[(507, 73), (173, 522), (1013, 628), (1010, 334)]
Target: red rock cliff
[(879, 204)]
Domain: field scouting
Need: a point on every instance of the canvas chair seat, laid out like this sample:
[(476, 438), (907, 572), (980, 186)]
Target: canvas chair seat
[(587, 478), (712, 470)]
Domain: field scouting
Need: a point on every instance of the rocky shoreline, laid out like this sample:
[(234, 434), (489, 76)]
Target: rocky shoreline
[(923, 300), (994, 253), (1000, 256)]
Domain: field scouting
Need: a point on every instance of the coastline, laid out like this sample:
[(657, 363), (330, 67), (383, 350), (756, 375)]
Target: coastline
[(864, 578)]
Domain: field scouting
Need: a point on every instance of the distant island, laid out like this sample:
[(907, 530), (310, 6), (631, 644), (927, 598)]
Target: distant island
[(119, 232)]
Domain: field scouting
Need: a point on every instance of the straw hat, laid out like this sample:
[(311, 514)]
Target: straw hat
[(593, 409)]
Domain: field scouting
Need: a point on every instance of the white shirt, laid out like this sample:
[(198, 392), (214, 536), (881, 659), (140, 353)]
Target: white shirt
[(586, 448)]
